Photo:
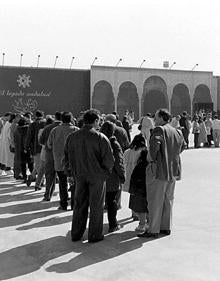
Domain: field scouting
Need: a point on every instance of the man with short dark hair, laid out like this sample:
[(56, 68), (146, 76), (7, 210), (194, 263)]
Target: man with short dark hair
[(119, 133), (185, 127), (56, 142), (89, 159), (32, 144), (166, 144), (50, 173)]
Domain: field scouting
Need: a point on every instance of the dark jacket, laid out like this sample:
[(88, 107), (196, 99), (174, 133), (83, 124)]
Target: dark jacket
[(20, 135), (166, 144), (32, 142), (88, 154), (45, 134), (117, 175), (138, 176), (122, 137)]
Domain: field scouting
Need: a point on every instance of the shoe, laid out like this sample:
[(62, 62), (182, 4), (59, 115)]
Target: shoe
[(148, 235), (113, 229), (19, 178), (45, 200), (9, 173), (95, 240), (62, 208), (29, 180), (141, 228), (3, 173), (37, 188), (165, 232), (75, 239), (135, 218)]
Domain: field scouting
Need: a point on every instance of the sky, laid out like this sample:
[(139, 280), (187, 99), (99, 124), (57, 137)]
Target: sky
[(186, 32)]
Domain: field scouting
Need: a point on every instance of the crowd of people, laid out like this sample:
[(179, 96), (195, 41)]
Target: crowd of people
[(93, 158)]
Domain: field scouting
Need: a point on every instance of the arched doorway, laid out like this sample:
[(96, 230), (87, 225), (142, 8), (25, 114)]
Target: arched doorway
[(180, 100), (154, 95), (103, 98), (202, 99), (127, 99)]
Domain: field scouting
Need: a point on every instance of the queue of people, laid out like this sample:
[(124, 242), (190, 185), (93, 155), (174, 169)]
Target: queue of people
[(94, 159)]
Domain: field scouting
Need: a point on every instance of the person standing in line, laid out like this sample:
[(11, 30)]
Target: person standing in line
[(122, 138), (14, 125), (203, 132), (185, 127), (116, 177), (127, 126), (131, 156), (216, 130), (6, 156), (89, 160), (166, 144), (50, 173), (147, 125), (137, 190), (22, 157), (208, 124), (56, 142), (196, 131), (32, 144)]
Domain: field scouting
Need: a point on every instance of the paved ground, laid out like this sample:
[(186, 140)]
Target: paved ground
[(35, 240)]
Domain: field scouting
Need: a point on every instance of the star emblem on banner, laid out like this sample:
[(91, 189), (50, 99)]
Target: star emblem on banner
[(24, 80)]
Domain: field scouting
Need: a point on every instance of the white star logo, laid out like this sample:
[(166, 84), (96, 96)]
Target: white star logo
[(24, 80)]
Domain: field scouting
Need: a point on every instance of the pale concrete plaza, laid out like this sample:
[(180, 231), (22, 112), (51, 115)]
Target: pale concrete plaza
[(35, 240)]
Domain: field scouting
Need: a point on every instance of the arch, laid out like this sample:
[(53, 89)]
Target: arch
[(128, 99), (180, 100), (102, 97), (154, 95), (202, 98)]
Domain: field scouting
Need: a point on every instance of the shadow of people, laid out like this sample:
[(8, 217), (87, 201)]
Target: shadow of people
[(27, 207), (49, 222), (112, 246), (25, 218), (28, 258), (19, 197)]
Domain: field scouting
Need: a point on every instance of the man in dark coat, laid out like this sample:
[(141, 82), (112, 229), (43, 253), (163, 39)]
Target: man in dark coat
[(50, 173), (166, 144), (32, 144), (185, 127), (89, 159)]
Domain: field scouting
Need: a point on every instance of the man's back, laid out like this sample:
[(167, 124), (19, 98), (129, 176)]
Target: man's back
[(89, 153), (166, 145)]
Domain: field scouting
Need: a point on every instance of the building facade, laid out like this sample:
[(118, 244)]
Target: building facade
[(144, 90)]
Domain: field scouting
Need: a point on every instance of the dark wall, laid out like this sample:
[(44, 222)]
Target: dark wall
[(24, 89)]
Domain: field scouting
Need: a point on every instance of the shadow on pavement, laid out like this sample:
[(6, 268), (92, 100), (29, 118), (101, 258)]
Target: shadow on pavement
[(49, 222), (28, 258), (113, 246), (19, 197), (27, 207), (25, 218)]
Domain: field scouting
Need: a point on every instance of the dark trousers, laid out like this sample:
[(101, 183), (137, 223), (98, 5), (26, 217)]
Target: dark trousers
[(111, 200), (24, 165), (50, 175), (17, 167), (186, 136), (63, 189), (196, 140), (88, 193), (209, 138)]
